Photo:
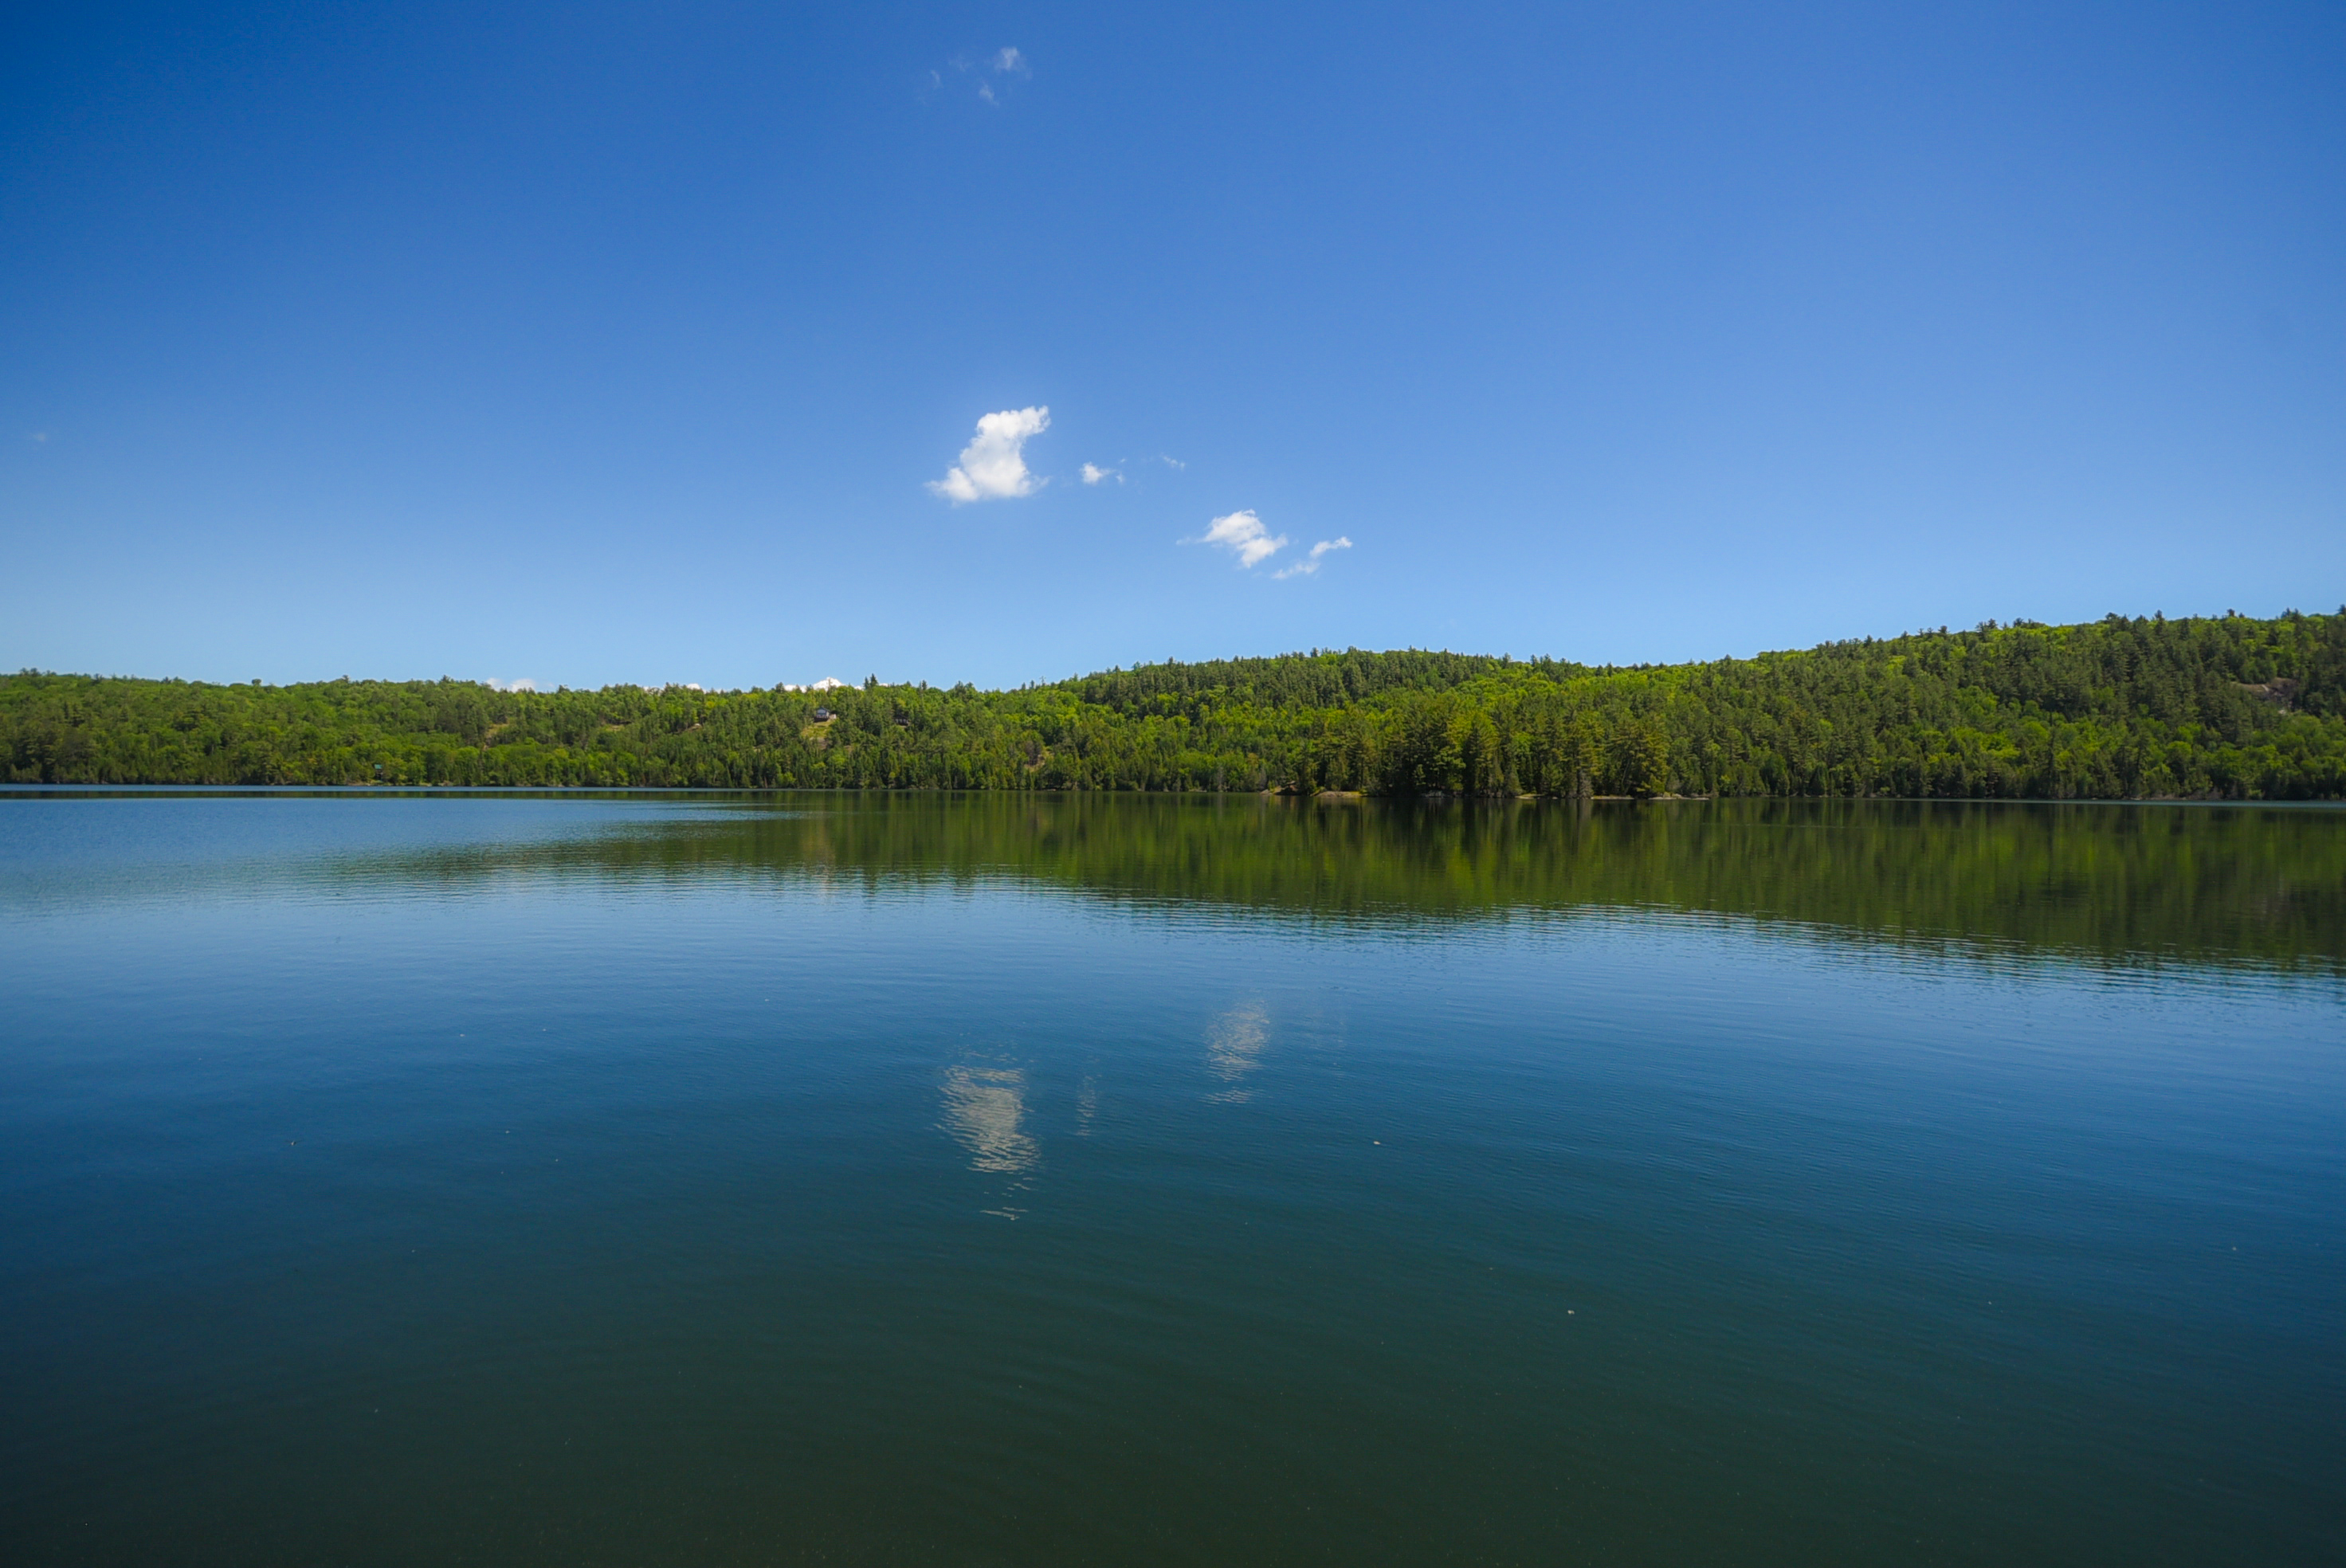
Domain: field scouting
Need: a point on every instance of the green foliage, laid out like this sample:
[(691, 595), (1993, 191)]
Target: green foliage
[(2229, 708)]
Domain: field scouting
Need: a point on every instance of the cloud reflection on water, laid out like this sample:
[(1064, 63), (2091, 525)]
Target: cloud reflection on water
[(986, 1112), (1234, 1048)]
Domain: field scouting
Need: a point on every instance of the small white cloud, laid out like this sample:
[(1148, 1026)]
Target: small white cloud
[(1094, 473), (993, 466), (1243, 534), (1174, 462), (1306, 568), (520, 683), (1007, 64)]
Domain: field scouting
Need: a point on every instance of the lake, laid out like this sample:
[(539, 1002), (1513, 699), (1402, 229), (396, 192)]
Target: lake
[(921, 1180)]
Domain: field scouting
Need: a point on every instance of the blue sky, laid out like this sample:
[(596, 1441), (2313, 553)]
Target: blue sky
[(590, 345)]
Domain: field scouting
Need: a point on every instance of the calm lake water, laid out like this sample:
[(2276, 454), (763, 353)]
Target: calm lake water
[(980, 1180)]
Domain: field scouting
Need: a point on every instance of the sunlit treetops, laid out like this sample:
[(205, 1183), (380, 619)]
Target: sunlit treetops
[(2222, 707)]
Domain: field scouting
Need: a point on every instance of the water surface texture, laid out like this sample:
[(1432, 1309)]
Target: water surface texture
[(919, 1179)]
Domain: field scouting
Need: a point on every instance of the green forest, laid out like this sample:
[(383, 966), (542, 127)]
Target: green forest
[(2226, 708)]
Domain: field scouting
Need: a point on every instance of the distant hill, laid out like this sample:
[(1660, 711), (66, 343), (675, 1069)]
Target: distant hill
[(2213, 707)]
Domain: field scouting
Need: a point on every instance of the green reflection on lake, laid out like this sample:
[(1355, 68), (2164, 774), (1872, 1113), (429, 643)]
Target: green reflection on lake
[(2130, 884)]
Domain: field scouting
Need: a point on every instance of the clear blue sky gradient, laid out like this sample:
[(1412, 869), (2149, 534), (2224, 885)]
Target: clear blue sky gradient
[(591, 345)]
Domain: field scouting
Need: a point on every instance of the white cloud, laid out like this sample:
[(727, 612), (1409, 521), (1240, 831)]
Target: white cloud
[(1243, 534), (1174, 462), (522, 682), (993, 466), (1007, 62), (1094, 473), (1306, 568)]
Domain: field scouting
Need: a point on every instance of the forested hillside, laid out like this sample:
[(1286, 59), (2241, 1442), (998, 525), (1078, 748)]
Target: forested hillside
[(2225, 707)]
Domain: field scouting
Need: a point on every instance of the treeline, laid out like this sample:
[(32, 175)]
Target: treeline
[(2227, 707)]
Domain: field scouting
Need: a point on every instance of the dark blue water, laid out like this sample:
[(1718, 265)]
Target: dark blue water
[(819, 1178)]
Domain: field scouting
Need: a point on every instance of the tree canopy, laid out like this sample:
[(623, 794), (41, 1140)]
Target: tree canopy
[(2225, 707)]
